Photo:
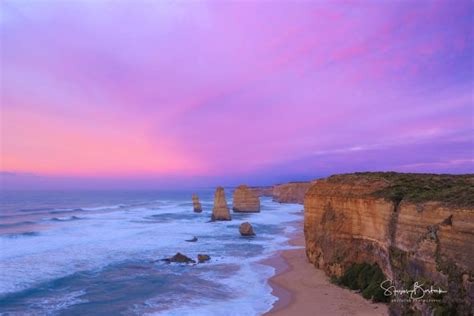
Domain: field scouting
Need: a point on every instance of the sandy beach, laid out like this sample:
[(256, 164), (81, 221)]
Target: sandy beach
[(304, 290)]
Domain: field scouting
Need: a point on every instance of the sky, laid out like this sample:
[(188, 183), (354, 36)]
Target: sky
[(164, 94)]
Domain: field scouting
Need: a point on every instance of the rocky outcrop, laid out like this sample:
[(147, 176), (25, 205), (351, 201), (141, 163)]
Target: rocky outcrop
[(196, 204), (415, 228), (292, 192), (179, 258), (246, 229), (203, 258), (245, 200), (220, 211)]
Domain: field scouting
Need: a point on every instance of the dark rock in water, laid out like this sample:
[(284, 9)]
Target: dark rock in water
[(246, 229), (179, 258), (194, 239), (203, 258)]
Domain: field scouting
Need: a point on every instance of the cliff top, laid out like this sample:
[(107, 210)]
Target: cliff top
[(452, 190)]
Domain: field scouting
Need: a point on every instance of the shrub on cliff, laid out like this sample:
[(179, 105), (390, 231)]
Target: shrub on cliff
[(366, 278), (452, 190)]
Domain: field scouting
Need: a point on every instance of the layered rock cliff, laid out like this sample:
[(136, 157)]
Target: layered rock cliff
[(415, 228), (245, 200), (263, 191), (220, 211), (292, 192)]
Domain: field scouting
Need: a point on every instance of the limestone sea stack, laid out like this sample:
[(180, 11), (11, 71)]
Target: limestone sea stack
[(245, 200), (196, 204), (220, 211)]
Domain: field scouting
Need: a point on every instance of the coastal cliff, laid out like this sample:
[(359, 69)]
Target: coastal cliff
[(291, 192), (412, 227), (263, 191)]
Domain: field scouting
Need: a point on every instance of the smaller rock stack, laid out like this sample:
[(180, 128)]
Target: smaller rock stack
[(245, 200), (196, 204), (220, 211), (246, 229)]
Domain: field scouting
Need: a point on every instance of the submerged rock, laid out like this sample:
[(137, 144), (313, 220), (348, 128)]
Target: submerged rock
[(246, 229), (245, 200), (196, 204), (194, 239), (220, 211), (179, 258), (203, 258)]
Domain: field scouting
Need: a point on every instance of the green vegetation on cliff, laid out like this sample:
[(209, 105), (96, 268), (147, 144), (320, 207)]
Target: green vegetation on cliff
[(452, 190), (366, 278)]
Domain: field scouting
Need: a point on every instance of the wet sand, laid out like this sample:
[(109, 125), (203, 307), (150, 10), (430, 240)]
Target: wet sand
[(304, 290)]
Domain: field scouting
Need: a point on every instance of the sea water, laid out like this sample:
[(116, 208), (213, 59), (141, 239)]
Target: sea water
[(98, 253)]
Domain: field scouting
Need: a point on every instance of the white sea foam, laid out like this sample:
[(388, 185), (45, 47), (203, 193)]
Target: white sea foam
[(134, 233), (250, 288), (104, 207), (55, 303)]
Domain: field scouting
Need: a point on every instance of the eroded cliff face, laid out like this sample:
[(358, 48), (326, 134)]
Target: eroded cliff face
[(263, 191), (413, 233), (292, 192)]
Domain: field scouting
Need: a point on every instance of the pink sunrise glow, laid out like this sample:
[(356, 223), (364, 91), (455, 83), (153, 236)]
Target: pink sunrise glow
[(203, 92)]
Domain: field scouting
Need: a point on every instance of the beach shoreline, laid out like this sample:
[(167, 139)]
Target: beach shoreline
[(302, 289)]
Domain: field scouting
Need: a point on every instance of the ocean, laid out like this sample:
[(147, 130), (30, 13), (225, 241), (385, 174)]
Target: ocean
[(99, 253)]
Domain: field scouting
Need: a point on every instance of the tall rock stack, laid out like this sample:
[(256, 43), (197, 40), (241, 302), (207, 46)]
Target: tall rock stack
[(245, 200), (220, 211), (196, 204)]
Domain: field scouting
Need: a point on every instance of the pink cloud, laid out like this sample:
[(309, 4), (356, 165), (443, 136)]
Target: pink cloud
[(230, 88)]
